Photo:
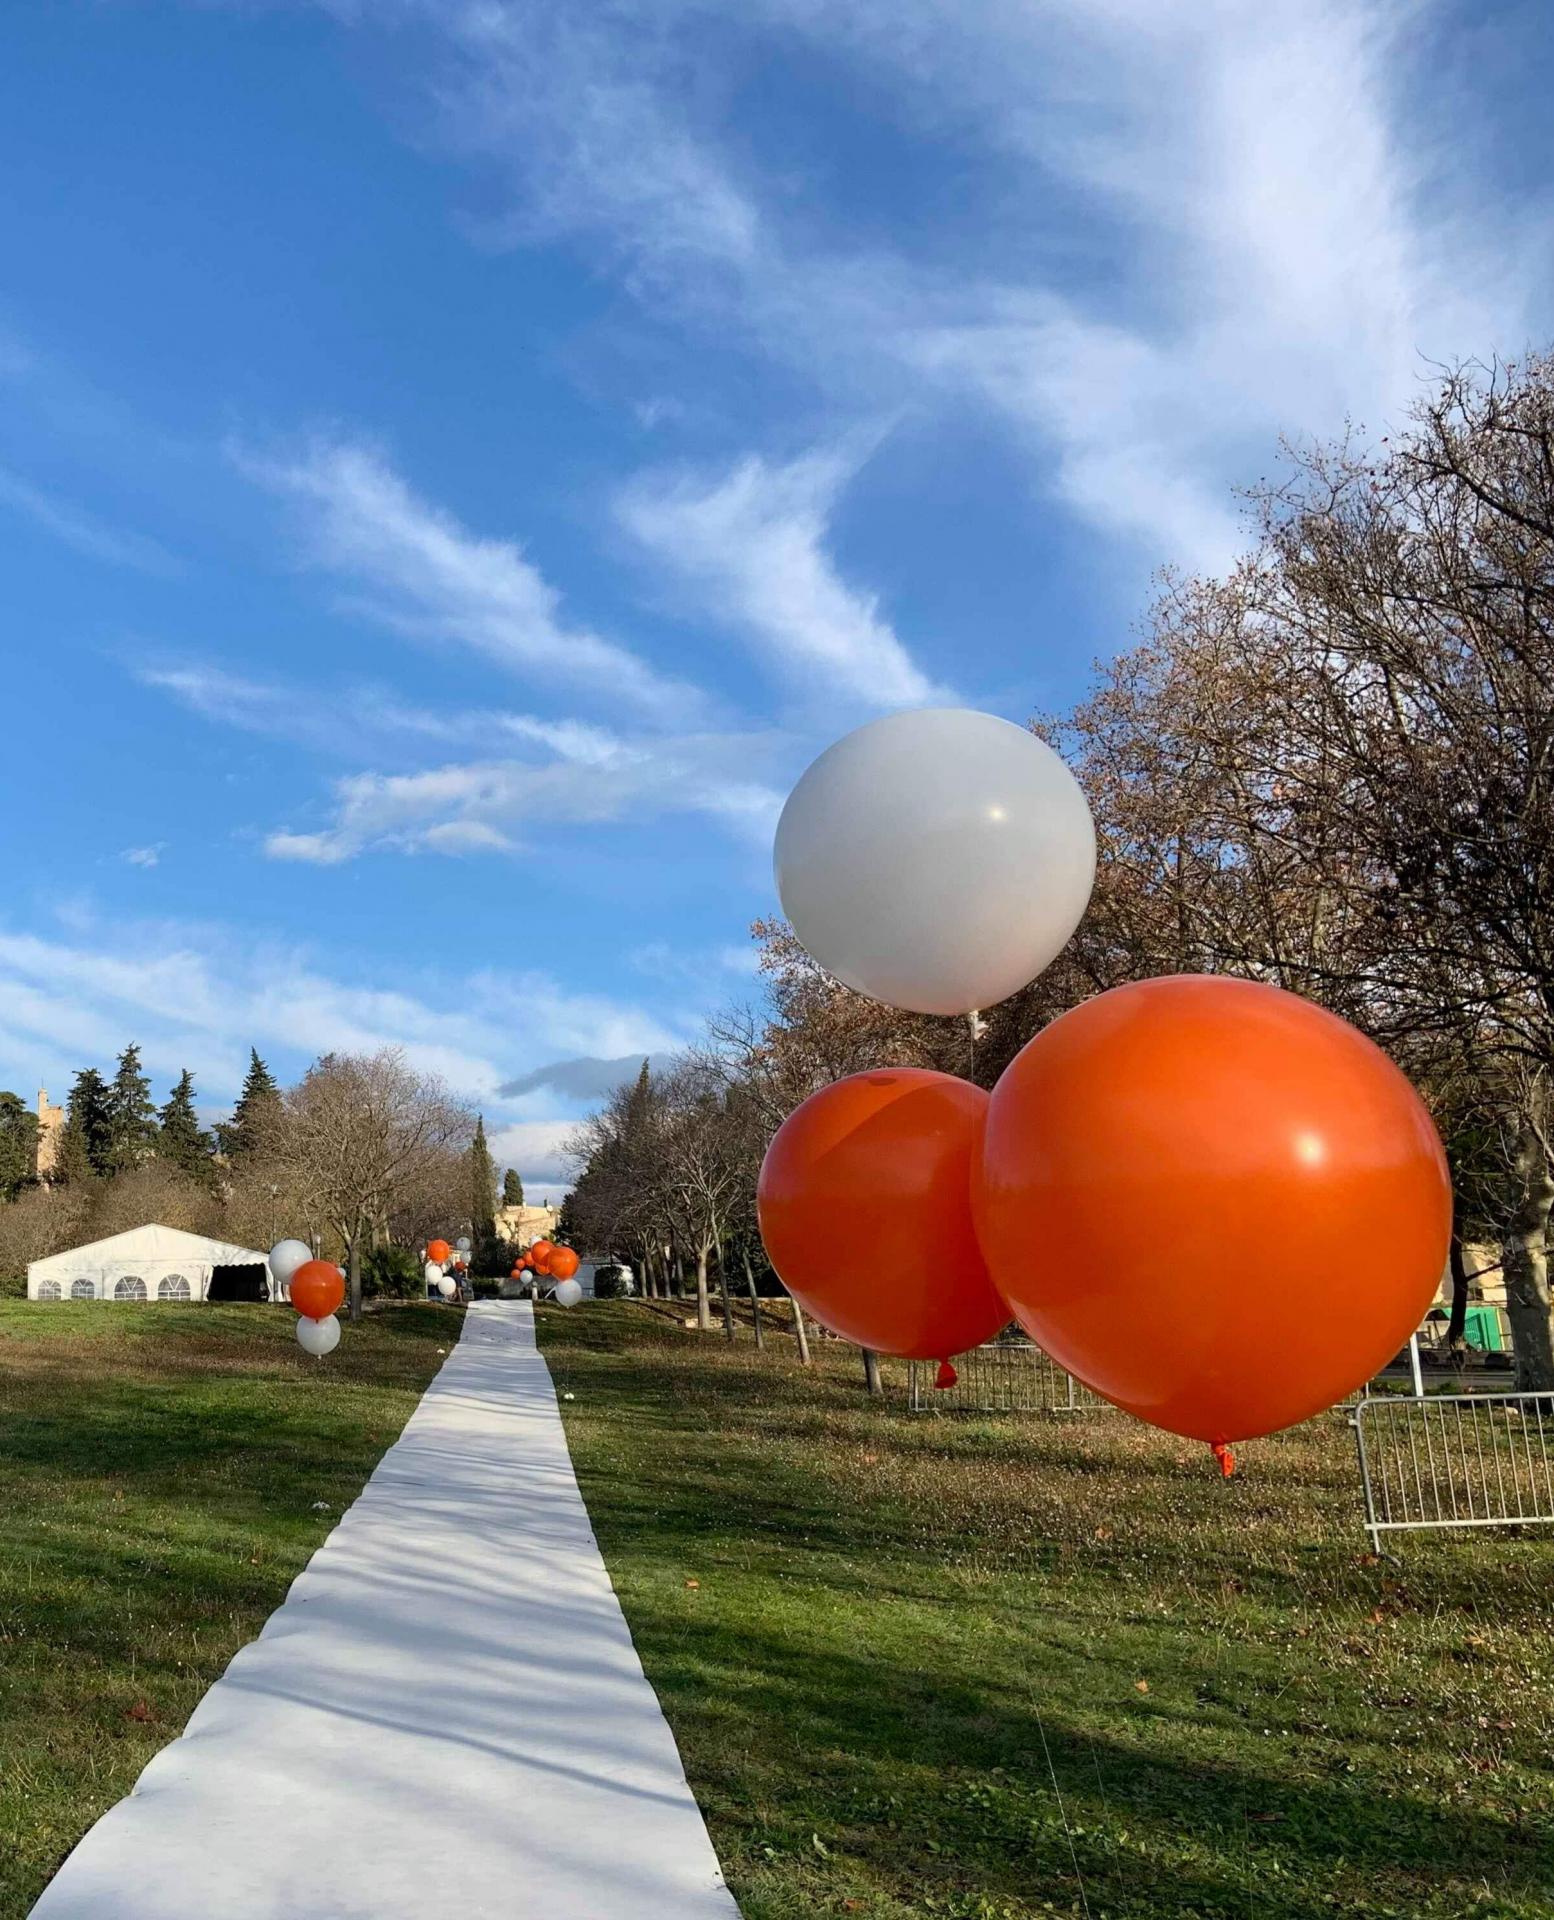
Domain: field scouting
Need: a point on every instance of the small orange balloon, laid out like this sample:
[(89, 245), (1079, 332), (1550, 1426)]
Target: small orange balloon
[(317, 1289), (865, 1208), (563, 1263), (1218, 1205), (438, 1251)]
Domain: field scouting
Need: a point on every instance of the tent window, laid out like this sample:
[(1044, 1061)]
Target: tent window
[(172, 1286), (129, 1286), (83, 1289), (50, 1290)]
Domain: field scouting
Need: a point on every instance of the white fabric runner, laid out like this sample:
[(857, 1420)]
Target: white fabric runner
[(445, 1719)]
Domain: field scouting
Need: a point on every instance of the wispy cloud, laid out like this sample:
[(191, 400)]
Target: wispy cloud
[(752, 542), (143, 856), (83, 531), (426, 575), (1212, 224), (577, 775)]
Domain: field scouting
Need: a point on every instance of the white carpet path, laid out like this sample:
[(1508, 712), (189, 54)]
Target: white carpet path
[(446, 1718)]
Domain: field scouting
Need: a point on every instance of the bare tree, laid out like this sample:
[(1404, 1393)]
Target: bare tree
[(365, 1131)]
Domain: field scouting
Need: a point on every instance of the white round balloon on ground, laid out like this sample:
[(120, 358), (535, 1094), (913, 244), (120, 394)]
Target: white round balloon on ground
[(566, 1293), (285, 1258), (936, 860), (447, 1288), (318, 1336)]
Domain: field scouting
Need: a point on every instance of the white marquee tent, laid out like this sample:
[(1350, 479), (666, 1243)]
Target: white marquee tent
[(150, 1263)]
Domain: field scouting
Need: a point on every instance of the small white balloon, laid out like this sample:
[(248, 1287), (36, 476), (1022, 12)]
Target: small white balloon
[(462, 1245), (937, 860), (431, 1273), (318, 1336), (447, 1288), (567, 1293), (285, 1258)]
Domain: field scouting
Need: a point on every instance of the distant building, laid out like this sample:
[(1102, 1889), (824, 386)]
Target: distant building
[(51, 1124), (522, 1226)]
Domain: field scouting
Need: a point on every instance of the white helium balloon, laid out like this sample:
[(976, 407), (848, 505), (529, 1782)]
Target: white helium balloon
[(462, 1245), (447, 1288), (937, 860), (318, 1336), (285, 1258), (431, 1273), (567, 1293)]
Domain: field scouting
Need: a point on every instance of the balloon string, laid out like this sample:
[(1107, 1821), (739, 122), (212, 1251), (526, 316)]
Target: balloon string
[(946, 1376), (1226, 1459)]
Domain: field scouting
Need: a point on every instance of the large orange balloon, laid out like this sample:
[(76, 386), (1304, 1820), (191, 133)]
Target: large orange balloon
[(563, 1263), (1216, 1204), (865, 1208), (317, 1289), (438, 1251), (539, 1256)]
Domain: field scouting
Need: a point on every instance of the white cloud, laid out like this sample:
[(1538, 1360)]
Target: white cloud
[(1183, 231), (576, 775), (143, 856), (81, 530), (200, 996), (428, 576), (752, 541)]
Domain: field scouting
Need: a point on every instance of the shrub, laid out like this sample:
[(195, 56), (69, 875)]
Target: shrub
[(392, 1273)]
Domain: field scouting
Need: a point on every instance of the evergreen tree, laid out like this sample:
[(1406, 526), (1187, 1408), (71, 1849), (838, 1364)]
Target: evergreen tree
[(512, 1188), (482, 1199), (257, 1116), (83, 1144), (131, 1115), (181, 1140), (18, 1145)]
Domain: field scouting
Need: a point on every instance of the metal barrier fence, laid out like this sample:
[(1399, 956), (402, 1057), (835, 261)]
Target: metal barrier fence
[(1006, 1376), (1455, 1460)]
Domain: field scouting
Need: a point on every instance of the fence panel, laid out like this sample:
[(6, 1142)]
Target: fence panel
[(1455, 1460), (1006, 1376)]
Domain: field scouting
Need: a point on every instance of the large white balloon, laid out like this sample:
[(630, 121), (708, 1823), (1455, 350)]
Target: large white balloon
[(447, 1288), (285, 1258), (566, 1293), (431, 1273), (318, 1336), (937, 860)]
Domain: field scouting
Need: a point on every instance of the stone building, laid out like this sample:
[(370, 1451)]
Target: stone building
[(522, 1226), (51, 1124)]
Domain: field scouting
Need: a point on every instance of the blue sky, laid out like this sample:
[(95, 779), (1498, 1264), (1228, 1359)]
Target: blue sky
[(460, 460)]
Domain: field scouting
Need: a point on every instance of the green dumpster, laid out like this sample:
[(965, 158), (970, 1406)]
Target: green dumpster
[(1482, 1329)]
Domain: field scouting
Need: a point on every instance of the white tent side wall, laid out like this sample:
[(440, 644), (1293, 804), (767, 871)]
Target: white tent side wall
[(150, 1263)]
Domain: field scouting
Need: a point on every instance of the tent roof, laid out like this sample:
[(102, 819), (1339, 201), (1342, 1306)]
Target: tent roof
[(150, 1242)]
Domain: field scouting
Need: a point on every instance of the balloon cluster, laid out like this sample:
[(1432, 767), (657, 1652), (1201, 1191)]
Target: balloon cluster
[(1216, 1204), (316, 1288), (545, 1258), (439, 1257)]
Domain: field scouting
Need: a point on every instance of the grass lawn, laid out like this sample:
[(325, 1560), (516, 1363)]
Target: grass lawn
[(159, 1467), (1001, 1668)]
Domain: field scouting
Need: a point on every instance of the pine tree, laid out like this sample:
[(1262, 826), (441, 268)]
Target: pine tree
[(182, 1141), (482, 1199), (18, 1145), (257, 1116), (131, 1115), (512, 1188), (83, 1144)]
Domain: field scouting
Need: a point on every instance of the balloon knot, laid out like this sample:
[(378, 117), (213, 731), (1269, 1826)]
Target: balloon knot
[(946, 1376), (1226, 1459)]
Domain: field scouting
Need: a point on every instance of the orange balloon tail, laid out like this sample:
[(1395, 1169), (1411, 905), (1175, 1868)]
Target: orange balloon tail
[(946, 1376), (1226, 1459)]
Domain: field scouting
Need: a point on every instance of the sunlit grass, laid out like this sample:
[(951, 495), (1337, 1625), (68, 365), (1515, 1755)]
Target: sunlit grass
[(159, 1468), (1002, 1667)]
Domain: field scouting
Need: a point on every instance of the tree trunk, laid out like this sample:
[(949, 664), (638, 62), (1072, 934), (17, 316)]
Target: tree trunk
[(871, 1371), (755, 1299), (354, 1269), (703, 1304), (728, 1305), (1526, 1262), (800, 1333), (1456, 1326)]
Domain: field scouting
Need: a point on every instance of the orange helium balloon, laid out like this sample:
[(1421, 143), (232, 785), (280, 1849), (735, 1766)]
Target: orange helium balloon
[(438, 1251), (1216, 1204), (563, 1263), (317, 1289), (539, 1256), (865, 1208)]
